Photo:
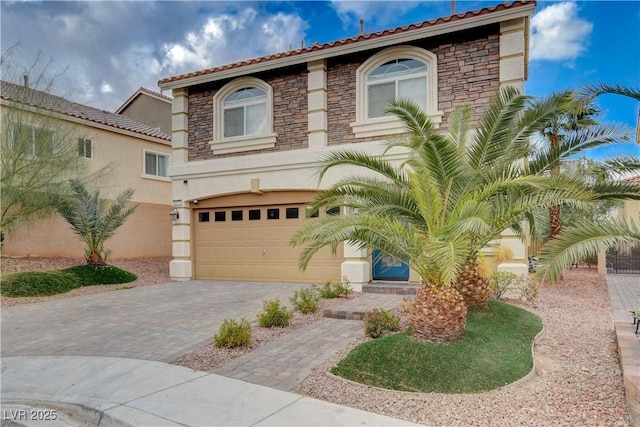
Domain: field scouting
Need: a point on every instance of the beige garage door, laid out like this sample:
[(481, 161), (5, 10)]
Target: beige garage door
[(252, 243)]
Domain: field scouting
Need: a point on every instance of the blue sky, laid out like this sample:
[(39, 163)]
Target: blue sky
[(101, 52)]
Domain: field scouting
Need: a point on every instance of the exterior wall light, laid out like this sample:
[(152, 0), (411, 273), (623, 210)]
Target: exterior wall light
[(174, 215)]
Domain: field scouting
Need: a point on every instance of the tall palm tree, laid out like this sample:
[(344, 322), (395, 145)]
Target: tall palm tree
[(93, 219)]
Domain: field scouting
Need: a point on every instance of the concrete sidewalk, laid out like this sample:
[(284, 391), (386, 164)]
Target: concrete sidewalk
[(115, 391)]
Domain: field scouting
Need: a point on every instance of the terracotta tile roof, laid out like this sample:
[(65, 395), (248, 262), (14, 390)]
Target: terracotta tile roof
[(39, 99), (351, 40)]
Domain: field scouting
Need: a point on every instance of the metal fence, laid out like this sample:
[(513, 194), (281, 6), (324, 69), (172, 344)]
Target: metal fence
[(624, 259)]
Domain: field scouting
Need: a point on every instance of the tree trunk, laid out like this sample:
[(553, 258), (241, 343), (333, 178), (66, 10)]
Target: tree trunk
[(473, 287), (555, 221), (438, 315), (96, 259)]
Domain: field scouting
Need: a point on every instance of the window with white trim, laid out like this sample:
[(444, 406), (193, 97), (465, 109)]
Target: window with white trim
[(243, 116), (400, 72), (85, 148), (245, 112), (31, 141), (397, 79), (156, 164)]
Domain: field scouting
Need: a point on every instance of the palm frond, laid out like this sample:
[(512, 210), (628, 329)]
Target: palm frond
[(583, 240)]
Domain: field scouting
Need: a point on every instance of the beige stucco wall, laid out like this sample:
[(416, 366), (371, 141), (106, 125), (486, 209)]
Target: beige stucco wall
[(146, 233), (153, 112)]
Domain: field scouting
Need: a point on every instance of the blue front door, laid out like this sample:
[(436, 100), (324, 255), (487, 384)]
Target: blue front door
[(386, 267)]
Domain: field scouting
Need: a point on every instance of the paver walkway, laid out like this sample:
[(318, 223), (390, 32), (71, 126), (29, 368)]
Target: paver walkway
[(287, 361), (160, 322), (623, 293)]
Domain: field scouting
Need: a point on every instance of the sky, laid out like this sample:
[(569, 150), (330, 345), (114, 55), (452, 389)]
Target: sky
[(99, 53)]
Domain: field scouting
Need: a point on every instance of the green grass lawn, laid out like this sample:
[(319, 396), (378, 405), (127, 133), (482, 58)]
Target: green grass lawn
[(495, 350), (45, 283)]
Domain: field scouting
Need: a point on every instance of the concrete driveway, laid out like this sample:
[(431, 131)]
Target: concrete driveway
[(160, 322)]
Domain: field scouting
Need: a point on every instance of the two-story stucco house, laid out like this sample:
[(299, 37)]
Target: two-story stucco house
[(248, 137), (138, 157)]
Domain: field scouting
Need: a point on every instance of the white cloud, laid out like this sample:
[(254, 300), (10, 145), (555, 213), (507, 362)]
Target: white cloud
[(227, 38), (106, 88), (373, 12), (558, 33)]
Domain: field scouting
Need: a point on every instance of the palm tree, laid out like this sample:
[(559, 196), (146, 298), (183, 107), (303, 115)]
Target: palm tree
[(93, 220), (453, 195), (572, 131)]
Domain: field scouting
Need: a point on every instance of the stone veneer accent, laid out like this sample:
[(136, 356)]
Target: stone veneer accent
[(289, 110), (468, 73)]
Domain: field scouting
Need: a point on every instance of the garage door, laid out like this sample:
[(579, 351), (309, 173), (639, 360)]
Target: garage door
[(252, 243)]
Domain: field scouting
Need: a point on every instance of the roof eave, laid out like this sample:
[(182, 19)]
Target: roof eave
[(83, 121), (493, 17)]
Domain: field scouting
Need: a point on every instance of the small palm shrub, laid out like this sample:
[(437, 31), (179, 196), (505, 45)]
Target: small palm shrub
[(339, 290), (500, 282), (274, 315), (377, 322), (305, 300), (233, 334)]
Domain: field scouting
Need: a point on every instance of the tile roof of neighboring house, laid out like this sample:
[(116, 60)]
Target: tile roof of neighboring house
[(140, 91), (348, 41), (39, 99)]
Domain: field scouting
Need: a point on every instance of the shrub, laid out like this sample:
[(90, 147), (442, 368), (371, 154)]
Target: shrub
[(500, 282), (100, 275), (274, 315), (305, 300), (339, 290), (38, 283), (379, 321), (233, 334), (529, 291)]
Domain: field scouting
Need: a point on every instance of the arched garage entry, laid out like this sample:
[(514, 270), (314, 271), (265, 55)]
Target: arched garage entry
[(246, 237)]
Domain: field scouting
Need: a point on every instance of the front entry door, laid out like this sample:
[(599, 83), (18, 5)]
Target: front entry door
[(386, 267)]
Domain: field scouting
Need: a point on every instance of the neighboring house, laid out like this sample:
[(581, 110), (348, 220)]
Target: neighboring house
[(248, 137), (150, 108), (137, 154)]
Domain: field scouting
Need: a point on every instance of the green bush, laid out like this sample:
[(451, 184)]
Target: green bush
[(305, 300), (233, 334), (274, 315), (377, 322), (38, 283), (338, 290), (45, 283), (500, 281), (90, 275)]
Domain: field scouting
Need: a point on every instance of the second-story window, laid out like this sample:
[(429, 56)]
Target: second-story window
[(85, 148), (245, 112), (31, 141), (156, 164), (396, 79)]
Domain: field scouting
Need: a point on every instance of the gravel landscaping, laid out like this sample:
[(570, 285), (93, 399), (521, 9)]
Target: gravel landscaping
[(578, 379)]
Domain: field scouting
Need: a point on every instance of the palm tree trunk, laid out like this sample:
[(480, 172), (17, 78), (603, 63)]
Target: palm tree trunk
[(473, 286), (438, 314), (96, 259)]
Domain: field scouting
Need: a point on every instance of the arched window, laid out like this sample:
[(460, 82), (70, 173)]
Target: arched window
[(243, 116), (401, 72), (403, 78), (245, 112)]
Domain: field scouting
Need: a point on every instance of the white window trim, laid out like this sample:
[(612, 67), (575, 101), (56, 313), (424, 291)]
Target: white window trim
[(238, 144), (144, 165), (365, 127), (84, 154)]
